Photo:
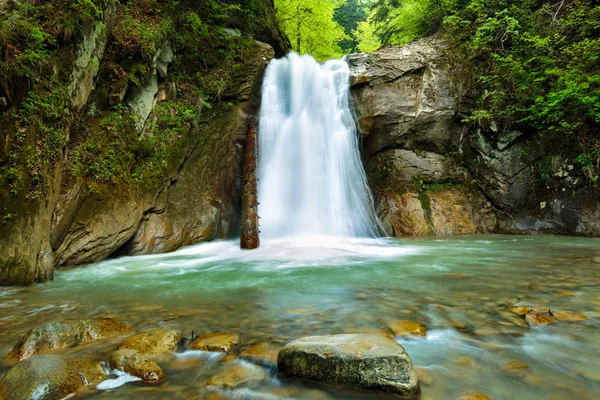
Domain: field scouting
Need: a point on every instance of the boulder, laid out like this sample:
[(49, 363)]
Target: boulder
[(69, 333), (218, 341), (371, 362), (136, 364), (49, 377), (153, 342)]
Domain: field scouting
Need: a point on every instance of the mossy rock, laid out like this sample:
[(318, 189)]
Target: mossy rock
[(371, 362), (49, 377), (70, 333)]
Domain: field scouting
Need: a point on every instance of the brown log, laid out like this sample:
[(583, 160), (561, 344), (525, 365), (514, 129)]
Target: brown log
[(249, 236)]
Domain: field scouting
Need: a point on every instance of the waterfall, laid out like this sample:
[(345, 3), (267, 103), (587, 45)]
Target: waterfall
[(311, 179)]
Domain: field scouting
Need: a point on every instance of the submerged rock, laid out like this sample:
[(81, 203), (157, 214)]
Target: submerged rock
[(262, 354), (569, 316), (368, 361), (49, 377), (533, 319), (519, 310), (407, 328), (238, 375), (218, 341), (152, 342), (475, 396), (136, 364), (68, 333)]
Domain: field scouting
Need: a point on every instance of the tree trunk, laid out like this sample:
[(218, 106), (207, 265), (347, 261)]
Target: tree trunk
[(249, 236)]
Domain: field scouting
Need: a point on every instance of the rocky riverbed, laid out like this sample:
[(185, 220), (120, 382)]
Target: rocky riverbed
[(478, 316)]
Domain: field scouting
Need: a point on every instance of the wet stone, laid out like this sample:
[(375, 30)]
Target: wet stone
[(69, 333), (238, 375), (49, 377), (262, 354), (564, 293), (221, 342), (153, 342), (370, 362), (515, 366), (534, 319), (424, 376), (407, 328), (519, 310), (569, 316), (475, 396), (136, 364)]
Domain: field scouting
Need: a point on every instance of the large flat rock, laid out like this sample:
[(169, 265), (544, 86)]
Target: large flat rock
[(372, 362)]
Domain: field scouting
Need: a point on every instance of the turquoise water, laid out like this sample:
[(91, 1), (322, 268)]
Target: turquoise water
[(289, 289)]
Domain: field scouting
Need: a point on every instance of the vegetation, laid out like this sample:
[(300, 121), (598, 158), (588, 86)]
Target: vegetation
[(310, 26), (38, 44), (534, 64)]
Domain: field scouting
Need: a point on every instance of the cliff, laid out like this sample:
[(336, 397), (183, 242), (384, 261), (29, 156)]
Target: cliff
[(122, 126), (433, 174)]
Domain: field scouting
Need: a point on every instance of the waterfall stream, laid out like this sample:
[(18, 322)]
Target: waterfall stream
[(311, 179)]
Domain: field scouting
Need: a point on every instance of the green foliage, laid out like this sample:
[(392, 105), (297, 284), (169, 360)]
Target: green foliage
[(366, 37), (311, 27), (349, 15), (402, 21), (113, 152)]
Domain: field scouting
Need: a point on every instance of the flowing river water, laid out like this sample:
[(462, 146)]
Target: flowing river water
[(458, 287)]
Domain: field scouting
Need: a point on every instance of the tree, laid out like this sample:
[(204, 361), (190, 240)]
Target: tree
[(310, 26), (349, 15), (366, 38)]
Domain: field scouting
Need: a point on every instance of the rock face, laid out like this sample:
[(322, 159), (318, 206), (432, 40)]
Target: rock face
[(368, 361), (49, 377), (68, 333), (196, 199), (468, 179)]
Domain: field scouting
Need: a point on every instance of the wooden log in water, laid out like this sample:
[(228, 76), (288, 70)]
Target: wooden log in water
[(249, 236)]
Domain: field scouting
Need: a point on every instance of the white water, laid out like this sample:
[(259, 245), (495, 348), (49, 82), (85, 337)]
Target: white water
[(311, 180)]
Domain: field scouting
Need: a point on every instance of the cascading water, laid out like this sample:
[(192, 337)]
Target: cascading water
[(311, 180)]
